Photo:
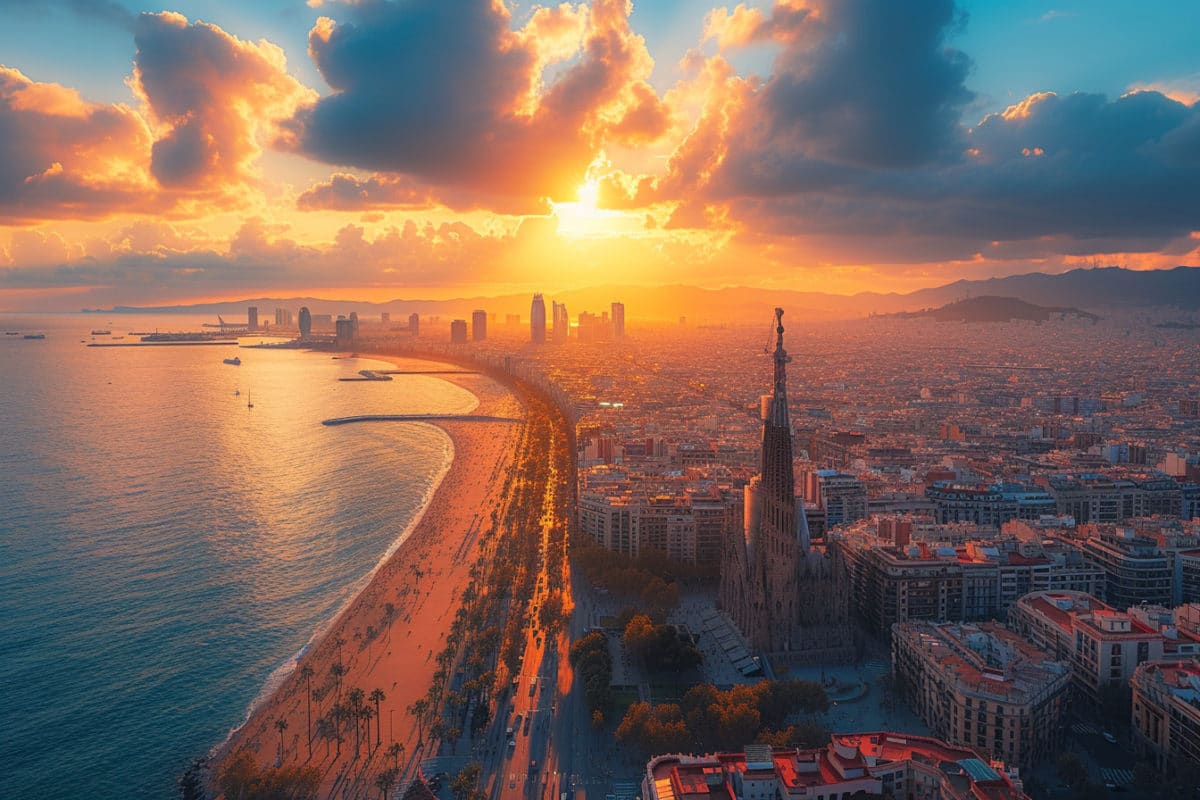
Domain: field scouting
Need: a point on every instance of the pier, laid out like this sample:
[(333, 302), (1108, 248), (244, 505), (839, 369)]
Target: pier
[(417, 418), (205, 343)]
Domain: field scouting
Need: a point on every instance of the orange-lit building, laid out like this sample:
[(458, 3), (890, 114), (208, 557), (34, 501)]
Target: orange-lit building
[(888, 764), (1102, 644)]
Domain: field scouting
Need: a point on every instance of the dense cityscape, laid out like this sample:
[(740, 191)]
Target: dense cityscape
[(599, 400), (889, 556)]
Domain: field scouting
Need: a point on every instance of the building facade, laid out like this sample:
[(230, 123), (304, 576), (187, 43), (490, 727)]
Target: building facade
[(1166, 711), (1104, 646), (983, 686)]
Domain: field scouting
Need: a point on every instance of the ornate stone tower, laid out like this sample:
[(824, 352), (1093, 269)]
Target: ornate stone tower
[(761, 571)]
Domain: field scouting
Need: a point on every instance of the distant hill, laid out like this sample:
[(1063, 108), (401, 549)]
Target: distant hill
[(990, 308), (1098, 290)]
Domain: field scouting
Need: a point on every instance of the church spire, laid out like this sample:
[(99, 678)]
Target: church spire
[(779, 409), (777, 475)]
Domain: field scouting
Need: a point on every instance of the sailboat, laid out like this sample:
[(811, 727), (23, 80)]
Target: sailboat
[(249, 404)]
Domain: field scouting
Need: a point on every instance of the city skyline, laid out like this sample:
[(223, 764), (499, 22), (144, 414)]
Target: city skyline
[(212, 152)]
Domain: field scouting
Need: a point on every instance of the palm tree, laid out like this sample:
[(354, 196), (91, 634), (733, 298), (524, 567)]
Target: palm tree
[(281, 726), (337, 671), (306, 672), (377, 696), (356, 698), (385, 780), (338, 642), (366, 712), (336, 711), (325, 731), (418, 709), (394, 751)]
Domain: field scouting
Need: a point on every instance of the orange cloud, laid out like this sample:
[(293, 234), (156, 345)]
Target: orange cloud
[(484, 123), (212, 99), (63, 157)]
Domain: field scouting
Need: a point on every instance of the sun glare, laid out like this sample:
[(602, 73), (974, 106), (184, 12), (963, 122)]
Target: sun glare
[(589, 192), (584, 217)]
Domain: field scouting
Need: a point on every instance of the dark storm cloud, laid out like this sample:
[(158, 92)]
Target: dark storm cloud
[(878, 87), (445, 91), (1122, 173), (855, 142)]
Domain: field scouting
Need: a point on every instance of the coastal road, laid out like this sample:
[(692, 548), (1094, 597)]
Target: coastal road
[(526, 768)]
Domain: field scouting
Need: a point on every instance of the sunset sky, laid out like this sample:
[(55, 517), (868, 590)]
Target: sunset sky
[(435, 148)]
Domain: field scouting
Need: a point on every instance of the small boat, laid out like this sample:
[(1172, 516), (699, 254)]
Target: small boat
[(35, 336), (12, 333), (101, 333), (248, 403), (235, 361), (237, 392)]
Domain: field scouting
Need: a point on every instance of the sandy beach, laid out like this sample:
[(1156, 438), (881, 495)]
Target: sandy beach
[(423, 583)]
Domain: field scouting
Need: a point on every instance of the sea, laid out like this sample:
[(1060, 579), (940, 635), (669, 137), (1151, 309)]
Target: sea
[(167, 551)]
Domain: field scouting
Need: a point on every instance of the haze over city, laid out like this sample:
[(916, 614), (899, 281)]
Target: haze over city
[(602, 400)]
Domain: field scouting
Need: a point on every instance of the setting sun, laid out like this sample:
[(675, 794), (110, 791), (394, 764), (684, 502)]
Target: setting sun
[(584, 218), (589, 192)]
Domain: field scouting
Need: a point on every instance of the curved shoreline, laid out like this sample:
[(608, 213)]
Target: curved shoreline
[(420, 579), (279, 675)]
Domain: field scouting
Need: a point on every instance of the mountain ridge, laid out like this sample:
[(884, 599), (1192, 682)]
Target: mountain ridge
[(1095, 289)]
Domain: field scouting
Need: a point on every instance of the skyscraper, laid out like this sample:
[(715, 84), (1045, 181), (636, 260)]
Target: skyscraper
[(414, 324), (537, 320), (344, 329), (458, 331), (479, 322), (618, 320), (252, 318), (562, 322), (305, 323)]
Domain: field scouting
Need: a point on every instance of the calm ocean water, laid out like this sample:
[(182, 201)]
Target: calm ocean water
[(164, 550)]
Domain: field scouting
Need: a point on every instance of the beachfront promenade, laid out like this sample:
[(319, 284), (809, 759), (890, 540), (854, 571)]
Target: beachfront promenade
[(419, 418)]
